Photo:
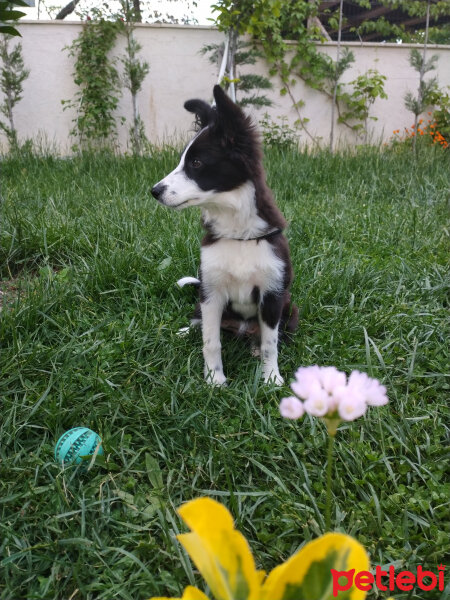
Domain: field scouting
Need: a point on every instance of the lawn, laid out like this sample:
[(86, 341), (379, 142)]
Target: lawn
[(89, 337)]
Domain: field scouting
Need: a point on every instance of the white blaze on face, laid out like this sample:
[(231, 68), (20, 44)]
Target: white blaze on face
[(180, 190)]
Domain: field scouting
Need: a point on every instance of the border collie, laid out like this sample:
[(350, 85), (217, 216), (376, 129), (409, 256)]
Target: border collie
[(245, 269)]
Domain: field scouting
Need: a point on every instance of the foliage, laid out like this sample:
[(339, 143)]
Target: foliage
[(9, 16), (391, 31), (223, 557), (427, 89), (269, 23), (98, 80), (135, 70), (264, 21), (243, 15), (441, 113), (245, 83), (12, 76), (278, 134), (366, 89), (143, 11), (436, 35)]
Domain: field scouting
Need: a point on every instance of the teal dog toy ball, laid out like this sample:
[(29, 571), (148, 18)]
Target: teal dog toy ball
[(77, 443)]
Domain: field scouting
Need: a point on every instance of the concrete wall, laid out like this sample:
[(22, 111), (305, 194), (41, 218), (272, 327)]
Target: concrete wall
[(179, 72)]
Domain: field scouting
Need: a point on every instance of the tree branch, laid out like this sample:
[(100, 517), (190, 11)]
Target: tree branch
[(67, 10)]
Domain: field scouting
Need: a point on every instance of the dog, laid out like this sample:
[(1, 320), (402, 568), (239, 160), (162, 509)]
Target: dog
[(245, 267)]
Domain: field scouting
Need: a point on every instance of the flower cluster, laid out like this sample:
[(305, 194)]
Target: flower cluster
[(326, 392), (428, 129)]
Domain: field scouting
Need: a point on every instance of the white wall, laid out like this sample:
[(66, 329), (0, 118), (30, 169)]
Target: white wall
[(178, 72)]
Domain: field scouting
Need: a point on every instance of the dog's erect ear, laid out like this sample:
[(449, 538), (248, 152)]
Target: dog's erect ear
[(226, 108), (204, 113), (231, 119)]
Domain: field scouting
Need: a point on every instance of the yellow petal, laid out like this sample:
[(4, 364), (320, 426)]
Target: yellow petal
[(220, 553), (307, 574), (190, 593)]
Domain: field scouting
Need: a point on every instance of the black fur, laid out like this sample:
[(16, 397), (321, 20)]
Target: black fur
[(219, 169), (204, 113)]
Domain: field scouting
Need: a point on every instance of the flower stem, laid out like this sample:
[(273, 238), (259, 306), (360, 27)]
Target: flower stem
[(329, 473)]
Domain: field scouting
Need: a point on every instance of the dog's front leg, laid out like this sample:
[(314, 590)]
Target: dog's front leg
[(269, 320), (212, 310)]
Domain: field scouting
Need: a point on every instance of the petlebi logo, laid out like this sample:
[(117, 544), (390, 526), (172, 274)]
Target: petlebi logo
[(403, 581)]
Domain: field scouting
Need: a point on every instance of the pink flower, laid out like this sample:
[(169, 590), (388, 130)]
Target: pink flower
[(351, 407), (331, 378), (317, 403), (328, 393), (307, 380), (338, 394), (291, 408), (371, 390)]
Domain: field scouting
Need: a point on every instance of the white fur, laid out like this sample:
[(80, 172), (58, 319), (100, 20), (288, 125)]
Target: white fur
[(188, 281), (231, 269), (269, 353), (181, 191), (233, 214)]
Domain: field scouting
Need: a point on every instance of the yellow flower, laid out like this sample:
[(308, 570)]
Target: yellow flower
[(223, 557), (220, 553), (190, 593)]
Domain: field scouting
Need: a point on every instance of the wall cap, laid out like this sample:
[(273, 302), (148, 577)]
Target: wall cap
[(57, 23)]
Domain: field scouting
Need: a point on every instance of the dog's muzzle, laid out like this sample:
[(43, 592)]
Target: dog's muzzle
[(158, 190)]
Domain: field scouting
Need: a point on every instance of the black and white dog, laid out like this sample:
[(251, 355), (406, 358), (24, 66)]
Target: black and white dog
[(245, 270)]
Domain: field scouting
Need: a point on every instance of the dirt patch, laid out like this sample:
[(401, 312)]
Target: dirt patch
[(10, 291)]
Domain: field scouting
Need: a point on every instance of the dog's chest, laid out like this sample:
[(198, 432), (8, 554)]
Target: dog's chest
[(234, 268)]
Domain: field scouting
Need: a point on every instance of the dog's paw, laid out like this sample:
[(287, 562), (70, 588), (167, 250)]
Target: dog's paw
[(215, 378), (274, 378), (255, 350)]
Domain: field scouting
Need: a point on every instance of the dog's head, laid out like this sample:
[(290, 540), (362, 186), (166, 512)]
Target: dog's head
[(219, 159)]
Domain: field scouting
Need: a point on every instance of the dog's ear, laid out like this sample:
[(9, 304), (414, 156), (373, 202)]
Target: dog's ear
[(231, 119), (226, 108), (204, 113)]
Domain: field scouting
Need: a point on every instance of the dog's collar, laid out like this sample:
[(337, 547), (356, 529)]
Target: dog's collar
[(265, 236)]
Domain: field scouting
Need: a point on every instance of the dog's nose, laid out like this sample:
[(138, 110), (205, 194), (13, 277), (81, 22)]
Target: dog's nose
[(157, 190)]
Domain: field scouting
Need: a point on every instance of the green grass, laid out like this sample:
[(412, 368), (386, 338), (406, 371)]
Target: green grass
[(88, 333)]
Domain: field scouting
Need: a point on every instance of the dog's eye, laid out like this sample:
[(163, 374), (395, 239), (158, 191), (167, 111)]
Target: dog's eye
[(196, 163)]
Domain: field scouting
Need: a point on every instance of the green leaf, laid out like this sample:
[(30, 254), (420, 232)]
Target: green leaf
[(8, 29), (11, 15), (165, 263), (153, 471)]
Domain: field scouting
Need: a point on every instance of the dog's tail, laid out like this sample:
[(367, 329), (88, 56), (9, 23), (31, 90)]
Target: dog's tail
[(188, 281)]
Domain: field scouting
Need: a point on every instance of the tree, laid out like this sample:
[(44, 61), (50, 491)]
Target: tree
[(417, 104), (245, 84), (235, 17), (135, 72), (67, 10), (12, 76), (98, 81)]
